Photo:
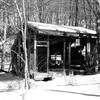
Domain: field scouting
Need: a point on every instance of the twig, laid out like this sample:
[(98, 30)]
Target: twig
[(18, 55)]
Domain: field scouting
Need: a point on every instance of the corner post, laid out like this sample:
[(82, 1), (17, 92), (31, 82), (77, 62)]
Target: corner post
[(64, 55), (35, 44)]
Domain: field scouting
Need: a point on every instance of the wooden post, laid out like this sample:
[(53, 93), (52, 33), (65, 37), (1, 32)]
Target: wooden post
[(97, 55), (64, 55), (35, 44), (88, 50), (86, 53), (69, 57), (48, 55)]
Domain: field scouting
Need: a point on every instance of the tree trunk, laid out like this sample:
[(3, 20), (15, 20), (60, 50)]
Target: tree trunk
[(25, 50), (23, 30), (3, 45)]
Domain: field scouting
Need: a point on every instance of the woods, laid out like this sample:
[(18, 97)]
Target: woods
[(15, 14), (48, 11), (47, 45)]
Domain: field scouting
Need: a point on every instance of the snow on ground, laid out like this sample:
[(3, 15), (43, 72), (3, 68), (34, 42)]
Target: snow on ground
[(60, 87)]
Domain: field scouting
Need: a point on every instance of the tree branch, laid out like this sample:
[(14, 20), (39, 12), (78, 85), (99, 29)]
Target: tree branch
[(18, 56), (95, 12), (18, 10), (5, 2)]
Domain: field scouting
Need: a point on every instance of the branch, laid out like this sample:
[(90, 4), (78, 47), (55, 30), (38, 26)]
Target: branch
[(18, 55), (47, 3), (89, 3), (2, 42), (18, 10), (5, 2)]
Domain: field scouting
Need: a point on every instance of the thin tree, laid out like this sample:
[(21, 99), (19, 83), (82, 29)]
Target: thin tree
[(4, 39), (25, 48), (23, 30)]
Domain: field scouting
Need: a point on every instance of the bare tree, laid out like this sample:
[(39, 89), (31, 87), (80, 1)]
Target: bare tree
[(23, 30)]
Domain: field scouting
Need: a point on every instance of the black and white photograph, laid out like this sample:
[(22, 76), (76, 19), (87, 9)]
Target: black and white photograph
[(49, 49)]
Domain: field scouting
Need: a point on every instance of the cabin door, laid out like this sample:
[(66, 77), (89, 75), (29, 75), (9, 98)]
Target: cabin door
[(42, 56)]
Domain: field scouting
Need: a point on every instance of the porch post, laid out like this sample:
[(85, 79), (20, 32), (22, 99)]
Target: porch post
[(86, 52), (35, 43), (69, 57), (48, 55), (64, 55)]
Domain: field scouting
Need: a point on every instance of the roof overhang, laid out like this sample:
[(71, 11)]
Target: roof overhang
[(60, 30)]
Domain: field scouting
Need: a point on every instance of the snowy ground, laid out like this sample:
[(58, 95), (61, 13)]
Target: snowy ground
[(60, 88)]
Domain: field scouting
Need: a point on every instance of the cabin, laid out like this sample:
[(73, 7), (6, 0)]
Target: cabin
[(55, 48)]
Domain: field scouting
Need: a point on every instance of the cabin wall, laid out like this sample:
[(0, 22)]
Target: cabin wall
[(39, 57)]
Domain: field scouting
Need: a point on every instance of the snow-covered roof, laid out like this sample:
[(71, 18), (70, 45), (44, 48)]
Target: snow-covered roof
[(60, 29), (82, 30)]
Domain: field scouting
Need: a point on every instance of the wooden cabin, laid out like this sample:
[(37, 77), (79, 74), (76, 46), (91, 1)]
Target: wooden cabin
[(54, 48)]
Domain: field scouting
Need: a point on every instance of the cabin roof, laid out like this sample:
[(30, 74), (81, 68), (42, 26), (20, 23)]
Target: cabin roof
[(60, 30)]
